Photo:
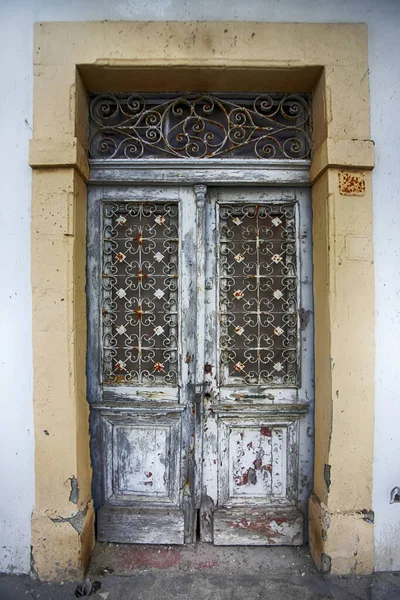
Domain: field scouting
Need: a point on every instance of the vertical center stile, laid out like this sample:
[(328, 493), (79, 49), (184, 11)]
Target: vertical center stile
[(200, 193)]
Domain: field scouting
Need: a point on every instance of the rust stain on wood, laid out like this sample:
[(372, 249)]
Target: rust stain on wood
[(262, 525), (265, 431)]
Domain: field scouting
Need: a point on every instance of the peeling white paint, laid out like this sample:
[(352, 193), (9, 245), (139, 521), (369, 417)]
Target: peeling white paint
[(16, 41)]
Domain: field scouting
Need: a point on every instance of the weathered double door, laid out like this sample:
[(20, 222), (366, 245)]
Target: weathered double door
[(200, 354)]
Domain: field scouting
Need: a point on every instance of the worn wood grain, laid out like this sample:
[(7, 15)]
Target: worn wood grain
[(190, 172), (142, 435), (258, 528), (140, 526), (209, 495), (200, 193), (187, 357), (240, 454)]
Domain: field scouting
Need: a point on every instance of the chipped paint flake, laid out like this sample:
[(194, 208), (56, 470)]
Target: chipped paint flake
[(265, 431)]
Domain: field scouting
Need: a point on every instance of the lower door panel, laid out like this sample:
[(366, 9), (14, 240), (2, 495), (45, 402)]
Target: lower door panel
[(258, 474), (140, 526), (143, 501), (259, 527)]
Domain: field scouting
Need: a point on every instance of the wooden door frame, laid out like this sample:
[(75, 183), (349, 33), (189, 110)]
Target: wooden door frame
[(331, 61), (119, 180)]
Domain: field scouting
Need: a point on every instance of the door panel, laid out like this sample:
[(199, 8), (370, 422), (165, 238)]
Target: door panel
[(141, 298), (258, 528), (141, 479), (257, 405), (200, 363), (142, 454)]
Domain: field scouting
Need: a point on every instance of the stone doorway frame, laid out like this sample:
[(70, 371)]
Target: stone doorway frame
[(331, 61)]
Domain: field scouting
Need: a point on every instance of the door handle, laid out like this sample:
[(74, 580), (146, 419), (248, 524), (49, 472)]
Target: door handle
[(205, 386)]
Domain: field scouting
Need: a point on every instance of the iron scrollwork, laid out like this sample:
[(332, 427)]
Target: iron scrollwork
[(258, 294), (200, 126), (140, 293)]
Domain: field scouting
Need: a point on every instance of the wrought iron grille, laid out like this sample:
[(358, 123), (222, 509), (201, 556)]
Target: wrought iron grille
[(258, 294), (196, 125), (140, 293)]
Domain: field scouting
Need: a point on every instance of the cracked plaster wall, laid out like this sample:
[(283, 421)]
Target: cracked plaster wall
[(16, 425)]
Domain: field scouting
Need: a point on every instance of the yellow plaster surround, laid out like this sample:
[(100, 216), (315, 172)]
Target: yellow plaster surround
[(331, 61)]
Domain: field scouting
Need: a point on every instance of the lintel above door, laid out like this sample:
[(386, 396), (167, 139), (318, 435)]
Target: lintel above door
[(192, 171)]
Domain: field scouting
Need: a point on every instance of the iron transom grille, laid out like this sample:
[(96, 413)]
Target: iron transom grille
[(199, 126)]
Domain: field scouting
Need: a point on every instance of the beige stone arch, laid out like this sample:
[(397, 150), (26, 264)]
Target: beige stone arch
[(331, 61)]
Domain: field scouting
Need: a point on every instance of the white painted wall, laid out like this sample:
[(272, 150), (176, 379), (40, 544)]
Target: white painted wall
[(16, 423)]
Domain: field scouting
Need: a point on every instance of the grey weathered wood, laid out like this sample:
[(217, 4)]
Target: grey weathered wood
[(140, 394), (140, 526), (258, 528), (306, 389), (209, 496), (141, 455), (93, 373), (206, 518), (201, 439), (257, 475), (190, 172), (142, 443), (261, 410), (136, 406), (260, 394), (188, 358), (200, 193)]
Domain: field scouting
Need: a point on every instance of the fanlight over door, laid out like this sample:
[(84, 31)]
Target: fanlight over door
[(200, 363)]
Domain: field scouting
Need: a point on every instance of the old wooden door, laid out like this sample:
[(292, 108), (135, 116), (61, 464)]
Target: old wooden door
[(257, 423), (199, 363)]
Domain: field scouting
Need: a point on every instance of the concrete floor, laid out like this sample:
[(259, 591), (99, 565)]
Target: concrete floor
[(205, 572)]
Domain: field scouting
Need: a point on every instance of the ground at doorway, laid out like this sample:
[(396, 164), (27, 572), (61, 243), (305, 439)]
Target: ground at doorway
[(205, 572)]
